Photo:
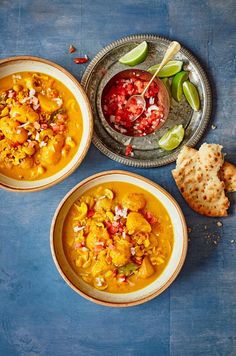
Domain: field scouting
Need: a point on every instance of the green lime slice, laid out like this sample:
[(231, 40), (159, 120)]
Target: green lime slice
[(171, 68), (136, 55), (172, 138), (177, 85), (191, 94), (166, 82)]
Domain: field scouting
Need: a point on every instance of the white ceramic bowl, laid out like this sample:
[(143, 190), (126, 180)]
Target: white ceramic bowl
[(12, 65), (127, 299)]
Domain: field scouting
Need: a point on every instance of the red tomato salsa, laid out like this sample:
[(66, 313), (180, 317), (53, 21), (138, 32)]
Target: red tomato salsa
[(119, 116)]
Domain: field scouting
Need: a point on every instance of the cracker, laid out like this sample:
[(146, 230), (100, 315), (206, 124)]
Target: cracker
[(228, 175), (197, 177)]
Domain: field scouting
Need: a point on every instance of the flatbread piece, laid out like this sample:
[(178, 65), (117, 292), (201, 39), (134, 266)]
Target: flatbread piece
[(197, 177), (228, 175)]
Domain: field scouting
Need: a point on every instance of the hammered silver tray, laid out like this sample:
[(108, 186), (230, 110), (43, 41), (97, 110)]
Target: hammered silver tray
[(146, 151)]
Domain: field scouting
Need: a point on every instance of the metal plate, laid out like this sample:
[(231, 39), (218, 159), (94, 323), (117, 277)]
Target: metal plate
[(146, 151)]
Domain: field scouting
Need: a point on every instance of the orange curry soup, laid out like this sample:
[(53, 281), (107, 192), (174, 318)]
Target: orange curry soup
[(118, 237), (40, 126)]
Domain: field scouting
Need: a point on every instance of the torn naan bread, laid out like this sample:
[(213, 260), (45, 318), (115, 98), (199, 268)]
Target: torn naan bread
[(228, 175), (197, 177)]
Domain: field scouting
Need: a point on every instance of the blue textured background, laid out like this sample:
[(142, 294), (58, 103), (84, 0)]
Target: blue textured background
[(39, 313)]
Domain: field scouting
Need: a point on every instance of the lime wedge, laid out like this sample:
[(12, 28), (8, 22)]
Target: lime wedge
[(166, 82), (177, 85), (172, 138), (191, 94), (171, 68), (136, 55)]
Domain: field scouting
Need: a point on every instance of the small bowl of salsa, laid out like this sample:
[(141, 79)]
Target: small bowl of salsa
[(119, 116)]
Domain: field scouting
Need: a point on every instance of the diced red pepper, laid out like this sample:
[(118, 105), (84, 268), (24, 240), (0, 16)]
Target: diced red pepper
[(109, 259), (79, 245), (90, 213), (98, 248), (44, 126), (150, 217)]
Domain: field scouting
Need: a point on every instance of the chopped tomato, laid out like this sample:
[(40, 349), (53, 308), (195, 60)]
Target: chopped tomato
[(90, 213), (120, 115), (128, 150)]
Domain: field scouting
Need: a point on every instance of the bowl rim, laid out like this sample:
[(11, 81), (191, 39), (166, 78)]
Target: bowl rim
[(172, 277), (90, 115)]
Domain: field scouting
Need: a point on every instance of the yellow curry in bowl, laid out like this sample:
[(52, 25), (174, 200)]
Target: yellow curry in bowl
[(118, 237), (40, 126)]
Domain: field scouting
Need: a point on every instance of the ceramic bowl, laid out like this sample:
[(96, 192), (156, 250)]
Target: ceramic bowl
[(12, 65), (127, 299)]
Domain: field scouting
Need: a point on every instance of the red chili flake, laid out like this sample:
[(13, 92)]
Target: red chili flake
[(44, 126), (14, 144), (55, 128), (62, 127), (79, 244), (98, 248), (72, 49), (109, 259), (31, 144), (150, 217), (90, 213), (80, 60), (108, 224), (61, 117), (11, 93), (113, 230), (128, 150)]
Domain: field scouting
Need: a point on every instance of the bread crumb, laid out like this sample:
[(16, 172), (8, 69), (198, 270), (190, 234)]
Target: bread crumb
[(219, 223), (232, 241), (213, 127)]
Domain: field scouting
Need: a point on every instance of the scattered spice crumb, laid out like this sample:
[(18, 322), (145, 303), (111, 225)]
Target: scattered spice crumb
[(219, 223), (205, 227), (213, 127), (212, 238), (189, 239), (72, 49), (232, 241), (189, 230)]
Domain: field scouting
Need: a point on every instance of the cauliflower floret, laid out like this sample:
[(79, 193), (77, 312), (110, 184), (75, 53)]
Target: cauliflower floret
[(100, 266), (51, 153), (96, 233), (24, 114), (47, 104), (134, 201), (146, 269), (137, 223), (12, 131), (103, 204), (121, 254)]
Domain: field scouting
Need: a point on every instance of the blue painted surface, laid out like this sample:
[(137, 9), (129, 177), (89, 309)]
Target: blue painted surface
[(39, 313)]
